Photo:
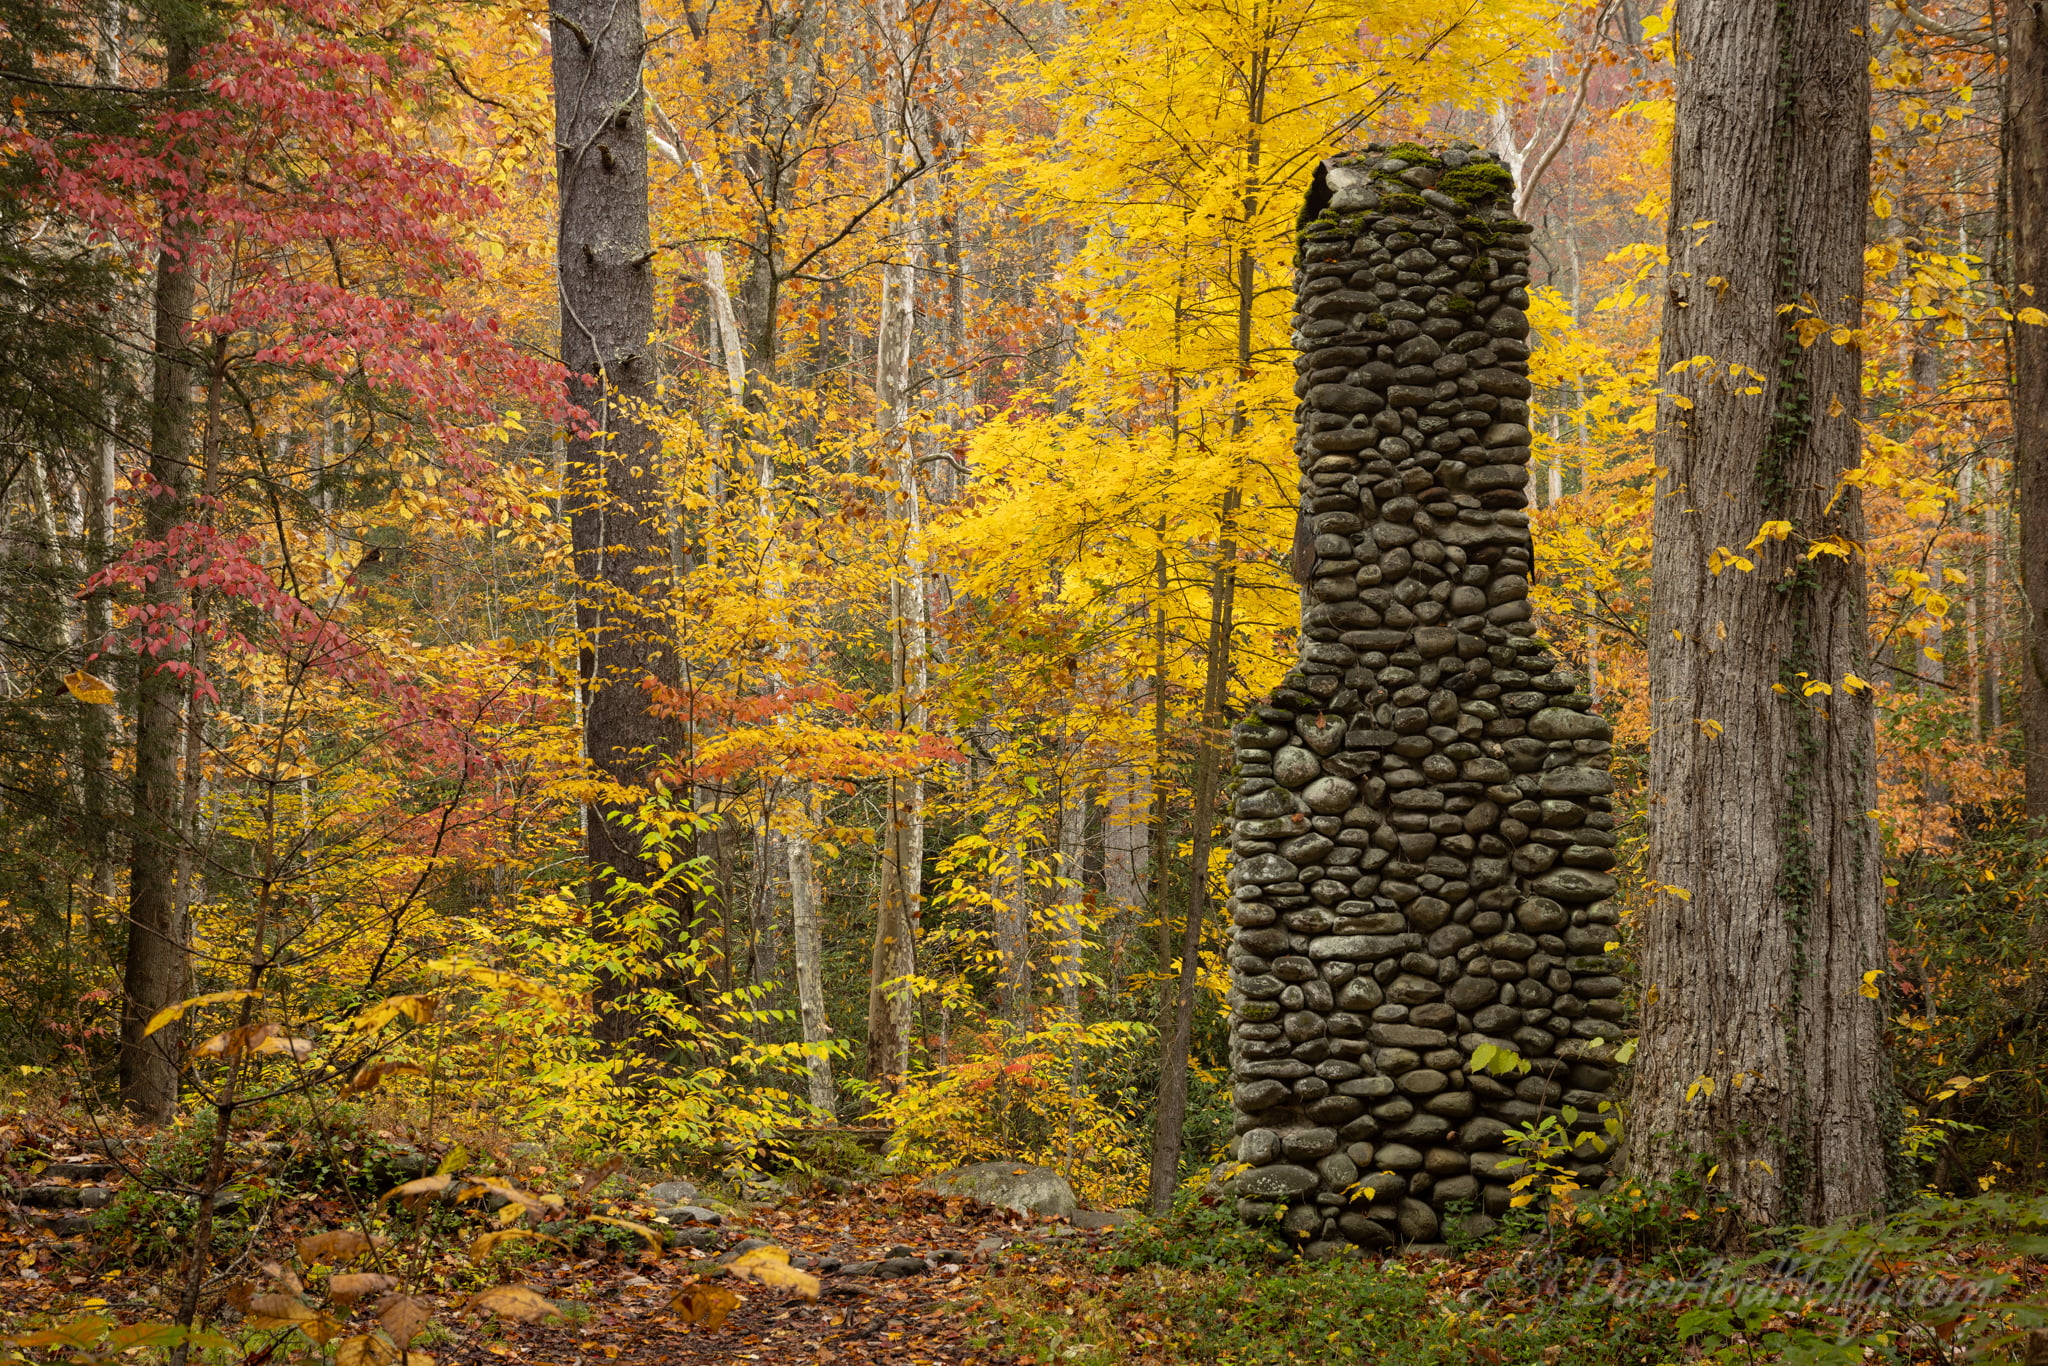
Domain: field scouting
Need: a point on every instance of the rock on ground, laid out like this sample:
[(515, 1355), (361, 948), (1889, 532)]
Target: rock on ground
[(1009, 1185)]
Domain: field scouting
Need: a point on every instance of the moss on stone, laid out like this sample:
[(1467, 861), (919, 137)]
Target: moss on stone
[(1458, 305), (1402, 203), (1478, 181), (1413, 153)]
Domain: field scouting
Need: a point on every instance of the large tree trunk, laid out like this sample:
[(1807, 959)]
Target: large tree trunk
[(1760, 1054), (605, 269), (155, 967), (2026, 134)]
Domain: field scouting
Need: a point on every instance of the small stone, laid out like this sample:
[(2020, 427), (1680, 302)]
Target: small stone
[(1294, 766), (1575, 885), (1306, 1145), (1560, 723), (1267, 868), (1272, 804), (1363, 1231), (896, 1268), (1397, 1157), (1417, 1222), (1541, 915), (672, 1193), (1330, 796), (1278, 1182), (1574, 781), (1258, 1147)]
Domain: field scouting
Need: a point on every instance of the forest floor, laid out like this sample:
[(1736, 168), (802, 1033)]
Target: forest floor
[(615, 1301), (908, 1278)]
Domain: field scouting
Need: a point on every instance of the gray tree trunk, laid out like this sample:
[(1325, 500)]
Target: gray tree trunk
[(604, 265), (806, 905), (1013, 938), (1753, 969)]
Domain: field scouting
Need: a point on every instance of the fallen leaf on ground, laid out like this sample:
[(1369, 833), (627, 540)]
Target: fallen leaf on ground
[(770, 1266), (349, 1289), (332, 1249), (513, 1302), (705, 1304)]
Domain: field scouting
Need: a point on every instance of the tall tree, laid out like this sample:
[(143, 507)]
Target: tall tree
[(2026, 142), (1760, 1050), (157, 950), (604, 265)]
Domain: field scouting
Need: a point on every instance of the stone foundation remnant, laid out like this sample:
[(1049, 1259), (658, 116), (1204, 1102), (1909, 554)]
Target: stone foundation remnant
[(1423, 831)]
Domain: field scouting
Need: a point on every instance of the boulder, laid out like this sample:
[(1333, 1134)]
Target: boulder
[(1009, 1185)]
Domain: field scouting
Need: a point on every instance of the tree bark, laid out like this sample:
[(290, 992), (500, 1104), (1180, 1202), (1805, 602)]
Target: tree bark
[(2026, 134), (807, 929), (1070, 895), (155, 966), (890, 1004), (1013, 938), (604, 265), (1760, 1055), (1169, 1123)]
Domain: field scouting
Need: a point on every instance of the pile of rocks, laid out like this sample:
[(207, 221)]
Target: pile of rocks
[(1424, 830)]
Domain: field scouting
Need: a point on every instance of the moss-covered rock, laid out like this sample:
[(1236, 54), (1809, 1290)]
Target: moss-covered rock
[(1414, 154), (1476, 182)]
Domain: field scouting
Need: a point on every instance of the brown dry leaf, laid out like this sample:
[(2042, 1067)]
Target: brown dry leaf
[(770, 1266), (403, 1316), (349, 1289), (653, 1239), (513, 1302), (242, 1040), (372, 1075), (284, 1276), (332, 1249), (364, 1351), (419, 1185), (322, 1330), (595, 1178), (277, 1311), (505, 1188), (481, 1248), (298, 1050), (238, 1295), (705, 1304), (417, 1359)]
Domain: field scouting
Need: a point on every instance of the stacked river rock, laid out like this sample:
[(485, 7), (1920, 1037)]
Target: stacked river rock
[(1423, 831)]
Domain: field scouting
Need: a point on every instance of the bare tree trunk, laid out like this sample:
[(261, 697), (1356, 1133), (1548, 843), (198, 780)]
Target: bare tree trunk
[(890, 1009), (604, 266), (1760, 780), (155, 968), (1072, 848), (807, 929), (2026, 137), (1013, 938), (1171, 1117), (1127, 829)]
